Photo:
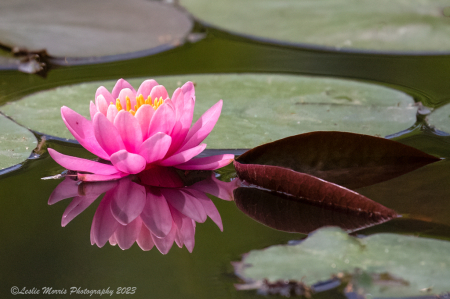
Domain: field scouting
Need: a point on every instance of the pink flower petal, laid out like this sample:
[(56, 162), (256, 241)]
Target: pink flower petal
[(107, 135), (104, 224), (155, 148), (159, 91), (164, 244), (146, 88), (106, 95), (178, 102), (204, 125), (185, 203), (184, 156), (163, 120), (207, 163), (102, 104), (85, 177), (130, 130), (83, 131), (68, 188), (121, 84), (92, 110), (78, 205), (128, 201), (156, 214), (131, 94), (111, 113), (184, 122), (144, 239), (95, 187), (128, 162), (217, 188), (208, 205), (188, 233), (126, 235), (79, 164), (189, 91), (144, 116)]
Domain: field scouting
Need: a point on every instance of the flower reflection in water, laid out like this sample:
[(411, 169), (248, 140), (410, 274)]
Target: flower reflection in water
[(154, 209)]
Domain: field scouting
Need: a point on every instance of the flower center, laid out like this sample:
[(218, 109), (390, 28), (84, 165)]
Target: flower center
[(139, 102)]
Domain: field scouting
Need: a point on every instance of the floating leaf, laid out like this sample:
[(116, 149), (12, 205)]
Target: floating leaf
[(290, 214), (16, 143), (88, 28), (347, 159), (384, 25), (394, 265), (265, 107), (441, 118)]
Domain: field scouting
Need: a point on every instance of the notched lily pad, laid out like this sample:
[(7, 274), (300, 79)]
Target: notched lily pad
[(384, 25), (263, 107), (88, 28), (440, 118), (16, 143), (383, 265)]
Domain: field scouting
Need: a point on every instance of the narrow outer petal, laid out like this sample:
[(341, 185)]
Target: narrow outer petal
[(121, 84), (204, 125), (146, 88), (189, 91), (128, 201), (128, 162), (102, 104), (183, 156), (83, 131), (144, 239), (92, 110), (106, 95), (163, 120), (207, 163), (144, 116), (156, 214), (85, 177), (104, 224), (155, 148), (130, 130), (126, 235), (131, 94), (79, 164), (185, 203), (107, 135), (159, 91)]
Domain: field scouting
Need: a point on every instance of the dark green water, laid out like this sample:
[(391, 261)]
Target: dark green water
[(37, 252)]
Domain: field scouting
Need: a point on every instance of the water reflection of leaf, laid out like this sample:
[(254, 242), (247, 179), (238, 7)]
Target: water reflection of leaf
[(290, 214), (149, 215)]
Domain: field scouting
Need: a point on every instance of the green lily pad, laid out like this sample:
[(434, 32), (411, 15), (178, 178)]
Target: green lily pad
[(257, 108), (384, 25), (440, 118), (16, 143), (88, 28), (394, 265)]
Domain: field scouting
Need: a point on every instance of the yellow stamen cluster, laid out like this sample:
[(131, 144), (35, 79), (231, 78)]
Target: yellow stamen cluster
[(139, 102)]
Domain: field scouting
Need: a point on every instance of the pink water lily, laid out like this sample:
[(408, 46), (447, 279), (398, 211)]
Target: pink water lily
[(138, 130)]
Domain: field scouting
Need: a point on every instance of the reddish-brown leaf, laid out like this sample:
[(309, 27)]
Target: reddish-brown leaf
[(310, 188), (347, 159)]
